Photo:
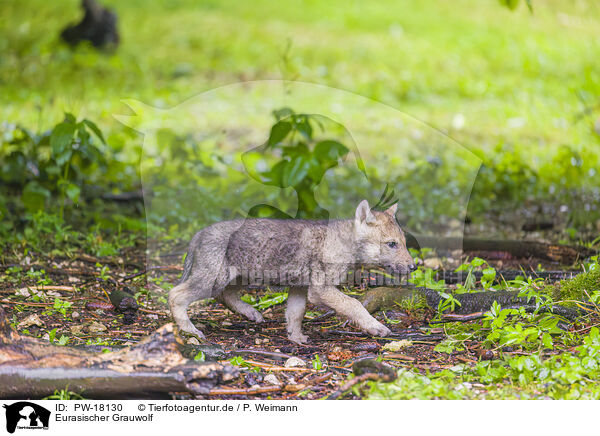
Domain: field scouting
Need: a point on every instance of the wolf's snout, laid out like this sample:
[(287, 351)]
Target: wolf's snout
[(412, 267)]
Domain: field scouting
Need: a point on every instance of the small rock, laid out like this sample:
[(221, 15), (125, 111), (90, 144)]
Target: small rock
[(96, 327), (272, 379), (26, 292), (293, 362), (76, 329), (433, 263), (396, 345), (74, 315), (31, 320), (193, 341), (226, 324)]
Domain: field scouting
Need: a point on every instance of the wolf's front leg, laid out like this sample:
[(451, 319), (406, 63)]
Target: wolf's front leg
[(349, 307), (294, 313)]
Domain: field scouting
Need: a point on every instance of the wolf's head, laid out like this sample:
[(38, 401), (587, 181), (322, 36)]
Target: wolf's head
[(380, 239)]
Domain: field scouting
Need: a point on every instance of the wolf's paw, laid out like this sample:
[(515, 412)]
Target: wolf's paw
[(298, 338), (256, 316), (378, 329), (194, 332)]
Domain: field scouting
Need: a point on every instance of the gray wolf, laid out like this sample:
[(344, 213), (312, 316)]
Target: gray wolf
[(311, 258)]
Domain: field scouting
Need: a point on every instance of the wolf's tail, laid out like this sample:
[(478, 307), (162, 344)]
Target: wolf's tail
[(188, 263)]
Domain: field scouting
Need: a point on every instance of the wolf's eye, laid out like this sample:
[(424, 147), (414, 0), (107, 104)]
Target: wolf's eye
[(392, 244)]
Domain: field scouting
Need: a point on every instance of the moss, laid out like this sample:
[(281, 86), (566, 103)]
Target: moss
[(576, 288)]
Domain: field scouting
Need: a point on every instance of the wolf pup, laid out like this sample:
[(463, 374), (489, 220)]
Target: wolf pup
[(312, 258)]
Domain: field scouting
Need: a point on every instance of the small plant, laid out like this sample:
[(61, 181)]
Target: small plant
[(63, 395), (239, 361), (200, 357), (266, 301), (63, 340), (487, 279), (316, 363), (448, 302), (59, 306)]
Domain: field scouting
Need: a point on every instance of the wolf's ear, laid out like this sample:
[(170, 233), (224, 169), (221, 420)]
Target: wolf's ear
[(392, 210), (364, 214)]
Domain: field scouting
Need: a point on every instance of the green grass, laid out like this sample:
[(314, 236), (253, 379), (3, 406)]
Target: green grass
[(517, 79), (433, 60)]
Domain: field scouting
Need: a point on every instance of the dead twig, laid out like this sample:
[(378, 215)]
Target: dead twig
[(269, 367), (270, 354), (48, 288)]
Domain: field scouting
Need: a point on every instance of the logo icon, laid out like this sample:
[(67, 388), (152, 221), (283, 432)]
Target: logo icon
[(26, 415)]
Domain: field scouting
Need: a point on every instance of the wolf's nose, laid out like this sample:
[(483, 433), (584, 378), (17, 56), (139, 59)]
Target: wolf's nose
[(412, 267)]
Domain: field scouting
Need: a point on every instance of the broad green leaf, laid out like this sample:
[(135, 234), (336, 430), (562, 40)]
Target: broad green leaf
[(303, 126), (73, 192), (61, 138), (282, 113), (330, 151), (295, 171), (278, 133), (94, 128)]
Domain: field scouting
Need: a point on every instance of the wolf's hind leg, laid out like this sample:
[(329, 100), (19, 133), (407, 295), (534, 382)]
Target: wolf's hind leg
[(294, 313), (231, 298), (180, 297)]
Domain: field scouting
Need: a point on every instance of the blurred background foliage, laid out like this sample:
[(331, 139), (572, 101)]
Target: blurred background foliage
[(523, 97)]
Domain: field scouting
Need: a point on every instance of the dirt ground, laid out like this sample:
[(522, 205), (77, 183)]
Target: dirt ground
[(326, 361)]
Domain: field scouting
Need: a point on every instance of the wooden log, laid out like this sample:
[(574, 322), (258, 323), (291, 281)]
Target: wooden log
[(564, 254), (383, 298), (153, 368)]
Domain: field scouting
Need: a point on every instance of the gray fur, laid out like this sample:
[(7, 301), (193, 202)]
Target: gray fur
[(310, 257)]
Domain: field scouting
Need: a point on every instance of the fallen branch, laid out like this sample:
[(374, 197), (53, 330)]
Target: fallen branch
[(564, 254), (152, 368), (383, 298)]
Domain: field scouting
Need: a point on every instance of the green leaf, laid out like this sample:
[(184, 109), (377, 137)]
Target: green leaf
[(200, 357), (330, 151), (52, 335), (303, 126), (547, 341), (73, 192), (61, 137), (284, 112), (278, 133), (94, 128), (275, 176), (295, 171)]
